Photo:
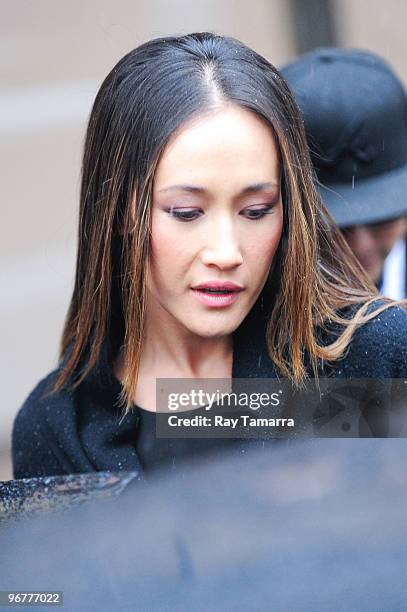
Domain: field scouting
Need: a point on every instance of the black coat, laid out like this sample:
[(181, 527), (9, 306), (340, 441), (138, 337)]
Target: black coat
[(79, 431)]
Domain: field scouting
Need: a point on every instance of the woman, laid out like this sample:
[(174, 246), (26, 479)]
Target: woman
[(203, 252)]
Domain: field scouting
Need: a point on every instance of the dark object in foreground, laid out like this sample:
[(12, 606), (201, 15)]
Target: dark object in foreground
[(22, 499), (314, 525)]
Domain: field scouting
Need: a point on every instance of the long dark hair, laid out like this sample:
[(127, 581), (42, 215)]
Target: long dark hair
[(148, 95)]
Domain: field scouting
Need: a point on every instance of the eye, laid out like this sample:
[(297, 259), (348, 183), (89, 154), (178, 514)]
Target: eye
[(257, 213), (185, 214)]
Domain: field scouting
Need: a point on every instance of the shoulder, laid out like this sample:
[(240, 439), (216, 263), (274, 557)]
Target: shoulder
[(378, 348), (37, 428), (34, 409)]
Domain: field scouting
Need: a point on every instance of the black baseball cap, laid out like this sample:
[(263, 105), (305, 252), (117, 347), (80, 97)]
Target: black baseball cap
[(355, 115)]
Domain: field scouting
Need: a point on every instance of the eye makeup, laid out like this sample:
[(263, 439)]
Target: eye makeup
[(254, 212)]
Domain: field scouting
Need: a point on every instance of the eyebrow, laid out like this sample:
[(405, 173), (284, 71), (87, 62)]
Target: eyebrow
[(254, 188)]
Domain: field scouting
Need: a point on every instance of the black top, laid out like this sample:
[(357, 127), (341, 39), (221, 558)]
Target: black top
[(82, 431), (154, 453)]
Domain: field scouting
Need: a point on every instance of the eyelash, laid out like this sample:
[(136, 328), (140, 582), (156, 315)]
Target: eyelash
[(182, 216)]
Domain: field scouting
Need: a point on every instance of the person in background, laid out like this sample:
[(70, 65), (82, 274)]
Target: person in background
[(355, 113)]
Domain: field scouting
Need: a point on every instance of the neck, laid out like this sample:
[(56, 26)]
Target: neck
[(173, 349)]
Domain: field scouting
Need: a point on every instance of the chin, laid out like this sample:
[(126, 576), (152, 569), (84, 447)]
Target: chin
[(210, 332), (216, 331)]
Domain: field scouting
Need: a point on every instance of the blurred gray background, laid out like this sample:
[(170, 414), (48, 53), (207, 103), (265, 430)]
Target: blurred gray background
[(54, 56)]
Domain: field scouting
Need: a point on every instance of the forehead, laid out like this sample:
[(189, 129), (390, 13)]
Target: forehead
[(227, 145)]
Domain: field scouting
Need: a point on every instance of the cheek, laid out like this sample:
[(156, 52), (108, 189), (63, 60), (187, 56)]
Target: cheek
[(170, 257), (262, 247), (397, 232), (388, 236)]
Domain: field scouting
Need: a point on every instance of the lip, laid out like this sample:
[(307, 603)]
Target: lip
[(221, 285), (217, 301)]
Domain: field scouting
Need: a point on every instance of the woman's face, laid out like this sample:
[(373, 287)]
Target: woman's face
[(216, 222)]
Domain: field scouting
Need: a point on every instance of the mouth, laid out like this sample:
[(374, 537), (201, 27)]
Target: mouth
[(216, 294)]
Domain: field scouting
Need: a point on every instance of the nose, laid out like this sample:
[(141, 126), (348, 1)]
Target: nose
[(222, 248), (360, 239)]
